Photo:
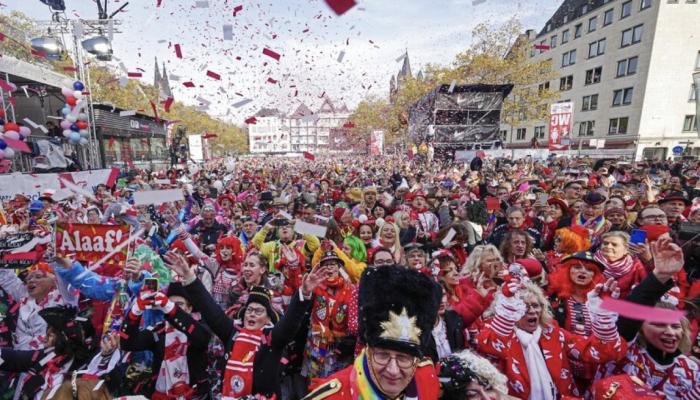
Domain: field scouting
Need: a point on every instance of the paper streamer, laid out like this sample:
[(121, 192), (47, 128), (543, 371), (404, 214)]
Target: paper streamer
[(77, 189), (448, 238), (116, 250), (642, 313)]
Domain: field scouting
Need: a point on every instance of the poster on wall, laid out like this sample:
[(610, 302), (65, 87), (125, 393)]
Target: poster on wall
[(376, 146), (560, 115)]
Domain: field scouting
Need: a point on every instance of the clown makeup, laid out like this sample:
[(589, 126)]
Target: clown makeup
[(580, 275)]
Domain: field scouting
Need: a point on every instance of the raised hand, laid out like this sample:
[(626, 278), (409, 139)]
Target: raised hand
[(668, 258), (132, 269), (314, 278), (178, 264)]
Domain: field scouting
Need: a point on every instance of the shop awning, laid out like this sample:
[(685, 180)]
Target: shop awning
[(22, 73)]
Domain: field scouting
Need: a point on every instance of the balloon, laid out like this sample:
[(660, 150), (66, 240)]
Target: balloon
[(74, 127), (66, 133), (65, 124), (3, 145), (9, 153), (74, 136), (83, 141), (82, 124), (72, 101), (2, 154), (84, 133), (65, 110), (24, 131), (77, 85), (13, 87), (11, 126), (78, 94), (82, 117), (2, 120), (72, 118), (12, 135), (66, 92), (2, 113)]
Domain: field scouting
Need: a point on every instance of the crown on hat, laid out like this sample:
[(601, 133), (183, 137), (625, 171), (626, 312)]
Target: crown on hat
[(400, 327)]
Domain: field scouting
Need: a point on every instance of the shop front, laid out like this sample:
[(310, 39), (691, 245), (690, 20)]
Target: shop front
[(130, 141)]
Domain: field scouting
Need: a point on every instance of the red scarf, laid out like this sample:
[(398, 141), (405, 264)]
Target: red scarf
[(615, 269), (238, 377)]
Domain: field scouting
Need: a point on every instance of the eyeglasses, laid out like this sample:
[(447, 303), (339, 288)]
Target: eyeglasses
[(533, 306), (258, 312), (382, 358), (661, 217)]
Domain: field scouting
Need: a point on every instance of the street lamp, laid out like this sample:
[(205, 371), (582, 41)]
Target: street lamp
[(99, 46), (49, 46)]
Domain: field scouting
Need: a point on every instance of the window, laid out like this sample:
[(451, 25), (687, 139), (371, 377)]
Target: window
[(631, 36), (690, 124), (622, 97), (697, 61), (577, 31), (543, 87), (590, 103), (521, 133), (553, 41), (565, 37), (568, 58), (608, 17), (645, 4), (627, 67), (539, 132), (592, 24), (596, 48), (504, 135), (626, 9), (586, 128), (593, 75), (618, 126), (566, 83), (691, 97)]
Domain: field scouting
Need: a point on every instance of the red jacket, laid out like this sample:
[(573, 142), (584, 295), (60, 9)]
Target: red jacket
[(471, 304)]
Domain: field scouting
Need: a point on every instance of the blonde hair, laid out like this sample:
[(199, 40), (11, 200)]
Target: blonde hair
[(685, 343), (398, 217), (472, 267)]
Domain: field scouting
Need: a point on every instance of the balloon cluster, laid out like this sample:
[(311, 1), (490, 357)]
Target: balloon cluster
[(74, 123), (10, 130)]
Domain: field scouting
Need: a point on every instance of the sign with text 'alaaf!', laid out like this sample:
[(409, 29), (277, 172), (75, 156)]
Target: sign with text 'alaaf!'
[(89, 243)]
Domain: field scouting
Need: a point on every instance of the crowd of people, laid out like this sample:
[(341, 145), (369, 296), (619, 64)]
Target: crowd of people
[(365, 278)]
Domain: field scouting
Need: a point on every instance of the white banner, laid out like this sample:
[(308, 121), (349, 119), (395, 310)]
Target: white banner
[(196, 149), (33, 184), (376, 146)]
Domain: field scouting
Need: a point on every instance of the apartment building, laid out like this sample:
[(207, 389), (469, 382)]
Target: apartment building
[(269, 134), (627, 66)]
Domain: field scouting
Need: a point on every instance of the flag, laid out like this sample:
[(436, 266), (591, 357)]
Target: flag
[(542, 47), (309, 156)]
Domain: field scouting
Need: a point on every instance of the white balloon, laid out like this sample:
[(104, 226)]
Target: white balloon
[(9, 153), (66, 133), (72, 118), (78, 94), (83, 141), (12, 135), (82, 117)]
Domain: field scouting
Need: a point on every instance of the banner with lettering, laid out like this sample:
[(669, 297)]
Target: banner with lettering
[(560, 115), (33, 184), (89, 243), (21, 250)]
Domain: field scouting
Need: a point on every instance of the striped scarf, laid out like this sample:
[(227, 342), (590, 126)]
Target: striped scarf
[(615, 269), (361, 379), (238, 376)]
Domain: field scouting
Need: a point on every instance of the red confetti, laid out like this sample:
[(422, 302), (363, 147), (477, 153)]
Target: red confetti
[(340, 6), (40, 54), (158, 3), (237, 9), (270, 80), (271, 54), (178, 51), (309, 156), (213, 75), (188, 84), (70, 69), (167, 103), (134, 74), (251, 121)]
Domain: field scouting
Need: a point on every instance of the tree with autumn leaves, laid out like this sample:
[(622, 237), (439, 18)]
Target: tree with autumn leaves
[(498, 55), (17, 30)]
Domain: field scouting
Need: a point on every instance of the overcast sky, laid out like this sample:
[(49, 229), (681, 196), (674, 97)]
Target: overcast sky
[(306, 33)]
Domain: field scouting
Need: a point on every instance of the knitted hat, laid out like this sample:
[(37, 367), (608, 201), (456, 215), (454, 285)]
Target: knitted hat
[(338, 213), (262, 296), (398, 308)]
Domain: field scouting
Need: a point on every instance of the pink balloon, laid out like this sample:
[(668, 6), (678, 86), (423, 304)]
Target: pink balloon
[(2, 154), (67, 92), (66, 133), (12, 135), (13, 87), (24, 131), (65, 124)]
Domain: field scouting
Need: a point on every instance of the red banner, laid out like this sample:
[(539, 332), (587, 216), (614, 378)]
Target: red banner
[(89, 243), (560, 115)]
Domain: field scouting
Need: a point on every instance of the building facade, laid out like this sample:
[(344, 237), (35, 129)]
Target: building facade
[(269, 134), (311, 131), (627, 66)]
